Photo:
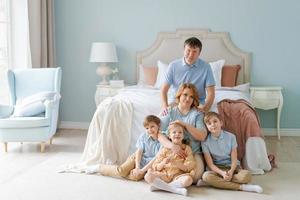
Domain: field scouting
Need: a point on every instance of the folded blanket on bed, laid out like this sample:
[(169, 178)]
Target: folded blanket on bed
[(239, 118), (108, 136)]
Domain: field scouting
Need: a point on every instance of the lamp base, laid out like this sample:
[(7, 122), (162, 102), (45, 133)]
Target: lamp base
[(104, 71), (103, 82)]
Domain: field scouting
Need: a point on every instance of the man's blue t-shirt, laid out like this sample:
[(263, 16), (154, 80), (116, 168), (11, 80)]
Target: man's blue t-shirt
[(199, 74)]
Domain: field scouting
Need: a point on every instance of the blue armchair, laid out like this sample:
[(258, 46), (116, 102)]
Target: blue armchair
[(38, 122)]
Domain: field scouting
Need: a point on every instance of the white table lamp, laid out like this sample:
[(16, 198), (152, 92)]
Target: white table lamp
[(103, 53)]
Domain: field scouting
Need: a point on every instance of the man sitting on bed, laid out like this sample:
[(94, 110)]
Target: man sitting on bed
[(190, 69)]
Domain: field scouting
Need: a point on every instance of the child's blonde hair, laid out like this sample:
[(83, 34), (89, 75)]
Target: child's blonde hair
[(210, 115), (151, 118), (174, 125)]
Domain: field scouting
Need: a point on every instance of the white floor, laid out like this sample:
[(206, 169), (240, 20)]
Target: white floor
[(25, 173)]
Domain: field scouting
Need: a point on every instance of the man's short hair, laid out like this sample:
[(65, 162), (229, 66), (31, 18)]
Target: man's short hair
[(193, 42)]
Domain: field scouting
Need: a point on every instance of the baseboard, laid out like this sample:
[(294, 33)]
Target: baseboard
[(73, 125), (283, 132)]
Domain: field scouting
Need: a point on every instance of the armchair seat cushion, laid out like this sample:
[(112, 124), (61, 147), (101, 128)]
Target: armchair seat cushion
[(24, 122)]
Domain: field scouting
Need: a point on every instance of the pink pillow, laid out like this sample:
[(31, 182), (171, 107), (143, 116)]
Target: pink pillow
[(230, 75), (150, 74)]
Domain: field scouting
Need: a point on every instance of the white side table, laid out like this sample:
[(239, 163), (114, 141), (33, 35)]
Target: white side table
[(267, 98), (104, 91)]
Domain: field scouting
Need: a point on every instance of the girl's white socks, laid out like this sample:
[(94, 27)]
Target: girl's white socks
[(160, 184), (176, 184)]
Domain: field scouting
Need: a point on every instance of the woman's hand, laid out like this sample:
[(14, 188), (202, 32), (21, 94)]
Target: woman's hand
[(176, 149), (179, 122)]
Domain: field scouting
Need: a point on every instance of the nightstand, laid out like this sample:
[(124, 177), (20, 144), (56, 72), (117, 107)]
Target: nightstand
[(104, 91), (267, 98)]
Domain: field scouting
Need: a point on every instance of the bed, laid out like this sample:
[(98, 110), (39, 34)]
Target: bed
[(117, 123)]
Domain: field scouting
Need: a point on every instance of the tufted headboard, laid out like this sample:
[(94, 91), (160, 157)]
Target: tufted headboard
[(168, 46)]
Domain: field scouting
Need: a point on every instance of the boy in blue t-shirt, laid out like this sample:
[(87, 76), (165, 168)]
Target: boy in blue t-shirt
[(136, 165), (220, 153)]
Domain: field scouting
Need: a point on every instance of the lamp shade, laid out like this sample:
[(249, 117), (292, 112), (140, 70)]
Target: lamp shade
[(103, 52)]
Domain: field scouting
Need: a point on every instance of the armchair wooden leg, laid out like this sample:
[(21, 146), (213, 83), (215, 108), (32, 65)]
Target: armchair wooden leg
[(51, 140), (5, 147), (43, 147)]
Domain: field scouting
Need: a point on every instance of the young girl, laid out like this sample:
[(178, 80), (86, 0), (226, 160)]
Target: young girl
[(170, 172), (220, 153)]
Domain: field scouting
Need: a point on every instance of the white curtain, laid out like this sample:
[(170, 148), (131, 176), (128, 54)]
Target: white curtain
[(20, 47), (31, 37), (17, 50), (32, 33)]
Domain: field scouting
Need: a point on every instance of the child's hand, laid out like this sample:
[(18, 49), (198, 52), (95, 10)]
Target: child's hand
[(226, 176), (137, 172), (230, 172), (166, 160)]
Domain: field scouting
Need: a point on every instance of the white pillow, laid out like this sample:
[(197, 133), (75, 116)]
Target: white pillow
[(33, 104), (141, 80), (216, 68), (242, 88), (29, 110), (162, 71), (41, 96)]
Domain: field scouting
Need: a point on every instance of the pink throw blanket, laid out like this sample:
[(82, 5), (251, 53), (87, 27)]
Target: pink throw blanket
[(241, 119)]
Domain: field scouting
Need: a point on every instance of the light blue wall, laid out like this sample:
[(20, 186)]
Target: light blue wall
[(269, 29)]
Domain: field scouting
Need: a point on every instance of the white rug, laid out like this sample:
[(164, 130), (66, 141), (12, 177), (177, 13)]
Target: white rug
[(27, 174)]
